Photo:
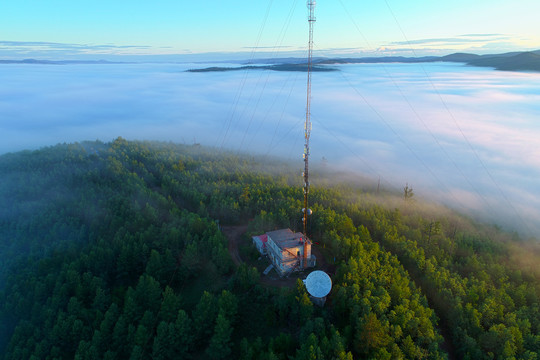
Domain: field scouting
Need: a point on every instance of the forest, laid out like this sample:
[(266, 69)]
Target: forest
[(115, 251)]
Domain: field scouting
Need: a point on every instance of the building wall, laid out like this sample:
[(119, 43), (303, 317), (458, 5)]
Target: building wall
[(285, 261), (275, 255), (259, 244)]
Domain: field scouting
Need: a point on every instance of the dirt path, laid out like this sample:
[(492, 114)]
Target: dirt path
[(234, 234)]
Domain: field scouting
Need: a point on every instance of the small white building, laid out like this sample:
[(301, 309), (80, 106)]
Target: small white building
[(260, 242), (286, 250)]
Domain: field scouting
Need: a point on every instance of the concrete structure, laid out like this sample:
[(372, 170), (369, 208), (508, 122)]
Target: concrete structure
[(286, 250)]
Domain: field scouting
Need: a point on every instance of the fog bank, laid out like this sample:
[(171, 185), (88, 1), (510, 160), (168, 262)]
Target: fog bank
[(464, 136)]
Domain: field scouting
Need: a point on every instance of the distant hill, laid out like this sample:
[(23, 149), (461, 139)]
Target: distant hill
[(527, 61), (278, 67), (459, 57), (372, 60), (512, 61)]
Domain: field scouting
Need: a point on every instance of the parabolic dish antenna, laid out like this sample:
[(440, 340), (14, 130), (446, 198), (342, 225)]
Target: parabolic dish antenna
[(318, 284)]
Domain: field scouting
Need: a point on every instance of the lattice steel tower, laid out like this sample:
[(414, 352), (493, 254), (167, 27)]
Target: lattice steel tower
[(307, 124)]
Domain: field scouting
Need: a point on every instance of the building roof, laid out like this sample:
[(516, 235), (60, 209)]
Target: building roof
[(286, 239), (262, 238)]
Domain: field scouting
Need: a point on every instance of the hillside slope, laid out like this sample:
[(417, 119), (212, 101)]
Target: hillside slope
[(114, 251), (527, 61)]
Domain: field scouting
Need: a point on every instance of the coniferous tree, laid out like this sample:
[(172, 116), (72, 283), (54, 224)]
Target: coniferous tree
[(220, 346), (204, 317)]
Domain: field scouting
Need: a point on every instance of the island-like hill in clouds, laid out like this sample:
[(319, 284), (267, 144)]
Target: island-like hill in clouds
[(527, 61), (514, 61), (116, 251)]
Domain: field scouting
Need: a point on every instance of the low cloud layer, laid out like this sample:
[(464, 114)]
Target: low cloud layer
[(463, 40), (55, 50), (464, 136)]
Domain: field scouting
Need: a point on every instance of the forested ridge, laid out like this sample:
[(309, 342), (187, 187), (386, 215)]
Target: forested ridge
[(114, 251)]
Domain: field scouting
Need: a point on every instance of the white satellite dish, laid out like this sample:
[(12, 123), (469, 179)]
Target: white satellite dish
[(318, 284)]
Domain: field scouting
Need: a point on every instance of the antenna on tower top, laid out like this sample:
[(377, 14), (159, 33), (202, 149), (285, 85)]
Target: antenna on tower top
[(307, 124)]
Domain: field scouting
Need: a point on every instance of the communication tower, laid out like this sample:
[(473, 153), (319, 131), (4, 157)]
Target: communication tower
[(307, 125)]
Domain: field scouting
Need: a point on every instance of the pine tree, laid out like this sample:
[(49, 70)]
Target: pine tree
[(162, 342), (220, 346), (204, 316), (182, 335), (169, 306)]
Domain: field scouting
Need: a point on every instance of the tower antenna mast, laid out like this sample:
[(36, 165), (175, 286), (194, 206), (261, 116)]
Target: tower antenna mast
[(307, 124)]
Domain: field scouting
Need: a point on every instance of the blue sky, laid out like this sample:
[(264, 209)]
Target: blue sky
[(56, 29)]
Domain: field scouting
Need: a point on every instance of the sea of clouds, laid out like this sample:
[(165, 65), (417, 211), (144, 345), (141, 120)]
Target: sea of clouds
[(461, 135)]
